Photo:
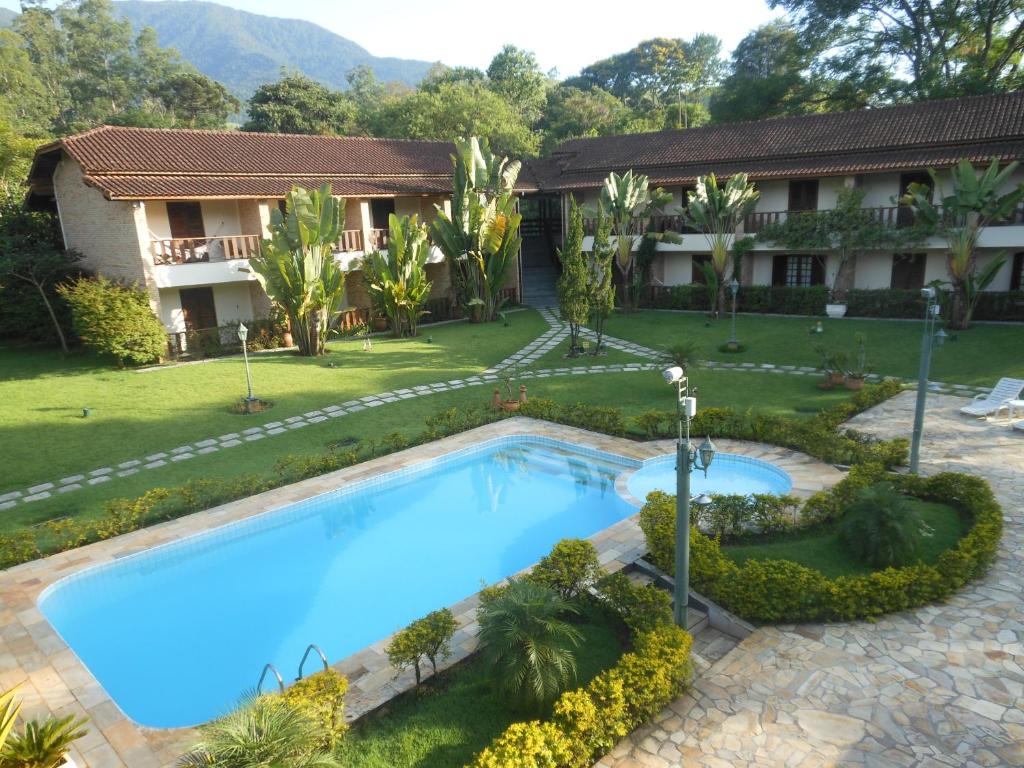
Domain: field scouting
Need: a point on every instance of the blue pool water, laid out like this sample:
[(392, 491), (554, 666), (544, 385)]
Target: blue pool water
[(728, 474), (177, 633)]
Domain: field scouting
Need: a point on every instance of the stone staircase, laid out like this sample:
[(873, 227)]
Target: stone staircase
[(539, 286)]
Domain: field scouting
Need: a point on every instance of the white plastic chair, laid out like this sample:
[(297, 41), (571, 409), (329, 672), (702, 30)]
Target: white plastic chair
[(992, 402)]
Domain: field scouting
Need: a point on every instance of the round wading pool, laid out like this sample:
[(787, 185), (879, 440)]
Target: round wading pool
[(728, 474)]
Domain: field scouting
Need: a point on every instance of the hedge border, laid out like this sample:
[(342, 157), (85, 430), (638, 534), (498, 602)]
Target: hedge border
[(770, 591)]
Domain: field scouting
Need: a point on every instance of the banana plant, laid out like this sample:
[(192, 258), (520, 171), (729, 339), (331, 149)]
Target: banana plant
[(396, 279), (717, 211), (296, 265), (974, 202), (629, 202), (480, 238), (10, 707)]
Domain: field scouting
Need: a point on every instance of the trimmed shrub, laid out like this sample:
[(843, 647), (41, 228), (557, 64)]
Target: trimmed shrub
[(427, 638), (116, 320), (595, 418), (321, 697), (528, 745), (642, 607), (783, 591), (593, 719), (570, 568)]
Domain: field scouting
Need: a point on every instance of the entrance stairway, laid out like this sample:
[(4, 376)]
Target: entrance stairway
[(539, 273)]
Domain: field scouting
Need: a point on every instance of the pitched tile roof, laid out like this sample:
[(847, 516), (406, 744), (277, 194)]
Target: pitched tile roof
[(907, 136), (145, 162)]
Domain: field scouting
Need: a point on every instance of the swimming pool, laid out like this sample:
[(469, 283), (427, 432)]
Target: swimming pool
[(177, 633), (728, 473)]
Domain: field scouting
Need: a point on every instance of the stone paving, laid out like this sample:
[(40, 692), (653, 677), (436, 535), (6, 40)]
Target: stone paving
[(52, 680), (940, 686), (518, 364)]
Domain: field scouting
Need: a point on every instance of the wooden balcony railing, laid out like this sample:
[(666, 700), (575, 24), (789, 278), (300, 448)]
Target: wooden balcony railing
[(191, 250), (378, 240), (351, 240)]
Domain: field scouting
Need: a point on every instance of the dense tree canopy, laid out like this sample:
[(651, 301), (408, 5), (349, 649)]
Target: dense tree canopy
[(297, 104)]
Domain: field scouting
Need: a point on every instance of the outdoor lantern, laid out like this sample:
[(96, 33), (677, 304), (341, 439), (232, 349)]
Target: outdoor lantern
[(940, 338), (707, 454), (734, 286), (243, 333), (702, 500)]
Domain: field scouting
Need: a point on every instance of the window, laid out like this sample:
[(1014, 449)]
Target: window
[(186, 220), (697, 271), (380, 210), (908, 271), (798, 271), (198, 308), (1017, 274), (803, 195), (905, 216)]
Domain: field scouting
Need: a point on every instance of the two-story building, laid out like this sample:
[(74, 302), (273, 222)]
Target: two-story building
[(181, 211), (801, 164)]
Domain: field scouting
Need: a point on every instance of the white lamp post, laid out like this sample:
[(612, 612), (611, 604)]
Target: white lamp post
[(929, 340), (243, 334), (734, 288), (686, 459)]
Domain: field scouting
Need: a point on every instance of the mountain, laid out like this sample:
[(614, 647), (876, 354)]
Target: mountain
[(243, 50), (6, 17)]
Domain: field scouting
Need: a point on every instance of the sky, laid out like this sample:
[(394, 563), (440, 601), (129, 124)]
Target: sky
[(564, 35)]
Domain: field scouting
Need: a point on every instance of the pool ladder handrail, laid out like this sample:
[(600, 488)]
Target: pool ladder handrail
[(268, 667), (320, 653)]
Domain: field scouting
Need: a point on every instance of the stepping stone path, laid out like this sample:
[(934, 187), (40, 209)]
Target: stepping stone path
[(519, 363)]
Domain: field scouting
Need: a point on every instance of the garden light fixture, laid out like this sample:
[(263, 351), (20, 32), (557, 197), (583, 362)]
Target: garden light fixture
[(687, 458), (929, 340), (734, 288), (243, 334)]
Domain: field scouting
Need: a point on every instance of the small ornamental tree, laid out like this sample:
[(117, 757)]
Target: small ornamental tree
[(573, 296), (115, 319), (599, 282), (427, 638), (570, 569)]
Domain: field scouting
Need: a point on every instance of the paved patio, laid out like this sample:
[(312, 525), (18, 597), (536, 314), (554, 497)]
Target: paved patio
[(53, 681), (940, 686)]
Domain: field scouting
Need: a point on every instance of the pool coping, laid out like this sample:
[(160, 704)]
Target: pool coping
[(53, 680)]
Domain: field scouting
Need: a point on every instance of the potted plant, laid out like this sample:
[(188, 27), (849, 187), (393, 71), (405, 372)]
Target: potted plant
[(833, 363), (378, 321), (511, 403), (857, 372)]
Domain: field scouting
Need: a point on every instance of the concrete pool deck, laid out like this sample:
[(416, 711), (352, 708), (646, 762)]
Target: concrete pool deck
[(52, 680)]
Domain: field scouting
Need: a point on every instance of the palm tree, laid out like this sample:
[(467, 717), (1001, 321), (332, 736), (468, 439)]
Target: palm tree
[(42, 744), (480, 239), (397, 278), (265, 732), (718, 211), (960, 217), (629, 202), (882, 528), (527, 643), (296, 266)]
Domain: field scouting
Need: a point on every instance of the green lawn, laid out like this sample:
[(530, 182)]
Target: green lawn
[(451, 719), (826, 553), (976, 357), (633, 392), (135, 413)]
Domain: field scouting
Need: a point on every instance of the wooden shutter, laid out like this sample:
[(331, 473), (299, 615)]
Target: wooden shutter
[(198, 307), (803, 195), (185, 219)]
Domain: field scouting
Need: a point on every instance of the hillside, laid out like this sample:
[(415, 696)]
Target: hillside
[(6, 15), (243, 50)]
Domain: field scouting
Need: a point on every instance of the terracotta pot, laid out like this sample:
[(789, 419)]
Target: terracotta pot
[(510, 405), (522, 393), (854, 383), (287, 340), (380, 323), (837, 378), (496, 399), (476, 314)]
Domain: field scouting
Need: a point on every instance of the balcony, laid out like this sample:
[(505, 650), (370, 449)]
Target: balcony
[(194, 250), (350, 240)]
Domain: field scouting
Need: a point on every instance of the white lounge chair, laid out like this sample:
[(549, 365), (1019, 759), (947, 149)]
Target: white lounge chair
[(992, 402)]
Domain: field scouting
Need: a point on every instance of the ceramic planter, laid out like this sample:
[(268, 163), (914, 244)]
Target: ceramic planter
[(835, 311), (854, 382)]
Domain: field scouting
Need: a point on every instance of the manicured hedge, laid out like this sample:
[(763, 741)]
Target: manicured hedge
[(784, 591), (811, 300), (589, 721)]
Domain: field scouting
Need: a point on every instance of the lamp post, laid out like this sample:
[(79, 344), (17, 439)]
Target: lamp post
[(928, 340), (243, 334), (734, 287), (686, 459)]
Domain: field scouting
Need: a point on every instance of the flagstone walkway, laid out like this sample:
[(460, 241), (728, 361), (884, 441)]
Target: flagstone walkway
[(940, 686)]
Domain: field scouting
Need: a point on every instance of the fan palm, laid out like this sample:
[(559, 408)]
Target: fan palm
[(974, 203), (524, 638), (881, 527), (265, 732), (717, 212)]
